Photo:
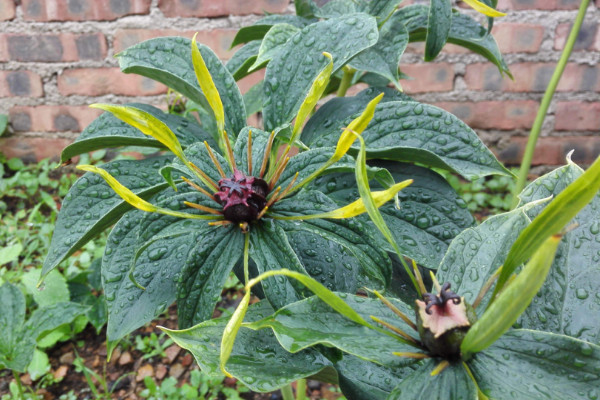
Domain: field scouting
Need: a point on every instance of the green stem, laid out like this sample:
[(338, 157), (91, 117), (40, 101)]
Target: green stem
[(541, 115), (287, 393), (246, 255), (301, 389), (346, 81), (19, 385)]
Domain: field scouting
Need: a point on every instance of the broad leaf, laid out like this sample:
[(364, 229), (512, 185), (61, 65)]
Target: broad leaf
[(476, 254), (528, 365), (53, 290), (240, 150), (379, 8), (109, 131), (47, 318), (341, 108), (336, 8), (91, 206), (270, 250), (257, 360), (253, 98), (205, 271), (453, 383), (243, 59), (168, 60), (431, 214), (198, 155), (438, 27), (273, 42), (305, 8), (311, 321), (384, 56), (291, 73), (465, 31), (370, 262), (260, 28), (566, 303), (12, 318), (416, 132)]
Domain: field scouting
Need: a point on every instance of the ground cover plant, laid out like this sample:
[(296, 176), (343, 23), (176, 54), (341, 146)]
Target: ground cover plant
[(345, 216)]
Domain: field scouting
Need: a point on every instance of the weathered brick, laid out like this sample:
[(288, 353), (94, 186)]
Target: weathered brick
[(20, 84), (52, 47), (51, 118), (82, 10), (434, 77), (33, 149), (577, 116), (219, 40), (532, 77), (538, 4), (503, 115), (7, 10), (202, 8), (518, 38), (585, 39), (101, 81), (552, 150)]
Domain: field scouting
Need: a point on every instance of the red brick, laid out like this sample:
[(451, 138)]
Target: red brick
[(552, 150), (219, 40), (7, 10), (82, 10), (518, 38), (51, 118), (538, 4), (434, 77), (200, 8), (577, 116), (586, 39), (33, 149), (101, 81), (52, 47), (532, 77), (20, 84), (503, 115)]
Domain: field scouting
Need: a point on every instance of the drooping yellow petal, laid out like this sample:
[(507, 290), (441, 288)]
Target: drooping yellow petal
[(357, 126), (484, 8), (136, 201), (313, 96), (208, 86), (147, 124), (357, 207)]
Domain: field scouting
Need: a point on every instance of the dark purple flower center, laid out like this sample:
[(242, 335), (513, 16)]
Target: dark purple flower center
[(242, 197), (441, 299)]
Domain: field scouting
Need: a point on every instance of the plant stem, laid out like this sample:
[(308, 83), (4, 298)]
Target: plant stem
[(287, 393), (301, 389), (541, 115), (19, 385), (346, 81)]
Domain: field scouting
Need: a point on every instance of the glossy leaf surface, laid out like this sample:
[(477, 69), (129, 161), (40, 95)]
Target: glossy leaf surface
[(240, 63), (438, 27), (273, 42)]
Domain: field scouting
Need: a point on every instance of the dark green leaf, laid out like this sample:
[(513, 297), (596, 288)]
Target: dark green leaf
[(528, 365), (465, 32), (431, 214), (273, 42), (305, 8), (478, 252), (253, 98), (12, 319), (438, 27), (260, 28), (243, 59), (360, 379), (416, 132), (205, 271), (168, 60), (109, 131), (198, 155), (311, 321), (566, 303), (47, 318), (370, 264), (341, 108), (270, 250), (257, 360), (92, 206), (336, 8), (259, 145), (384, 56), (453, 383), (291, 73), (379, 8)]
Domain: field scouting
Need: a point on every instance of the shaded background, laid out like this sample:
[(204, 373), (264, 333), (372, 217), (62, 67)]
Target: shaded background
[(56, 58)]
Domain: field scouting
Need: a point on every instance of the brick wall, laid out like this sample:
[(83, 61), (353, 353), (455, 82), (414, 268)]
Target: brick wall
[(56, 57)]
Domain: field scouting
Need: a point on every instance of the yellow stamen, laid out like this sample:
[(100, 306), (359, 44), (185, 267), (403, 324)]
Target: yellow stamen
[(220, 223), (202, 208), (288, 188), (278, 173), (395, 309), (440, 367), (250, 152), (198, 188), (214, 160), (229, 151), (419, 278), (411, 355), (394, 329), (266, 156), (209, 181)]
